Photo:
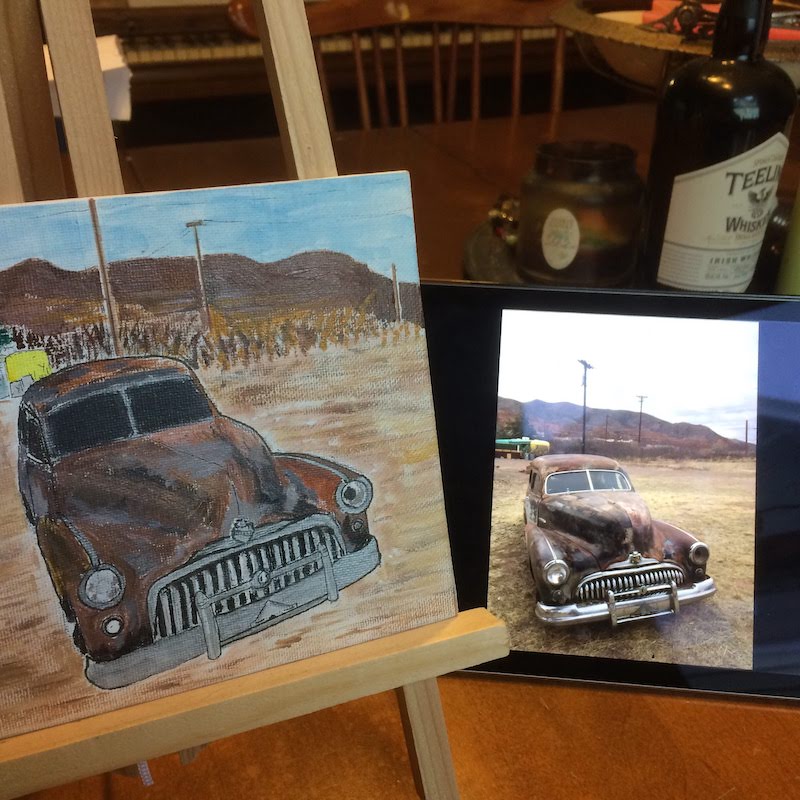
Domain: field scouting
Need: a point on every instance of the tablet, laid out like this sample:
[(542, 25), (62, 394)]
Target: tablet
[(622, 480)]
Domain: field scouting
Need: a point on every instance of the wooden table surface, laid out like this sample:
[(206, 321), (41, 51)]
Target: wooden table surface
[(457, 170), (510, 738)]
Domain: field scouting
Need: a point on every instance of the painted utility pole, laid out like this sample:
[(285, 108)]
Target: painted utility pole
[(642, 398), (586, 367), (396, 286), (109, 306), (205, 316)]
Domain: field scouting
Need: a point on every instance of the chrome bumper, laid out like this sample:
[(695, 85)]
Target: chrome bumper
[(214, 632), (655, 601)]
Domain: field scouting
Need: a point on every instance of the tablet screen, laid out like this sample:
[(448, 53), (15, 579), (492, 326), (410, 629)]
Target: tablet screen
[(626, 499)]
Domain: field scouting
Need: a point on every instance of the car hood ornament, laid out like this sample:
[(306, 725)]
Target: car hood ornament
[(242, 530)]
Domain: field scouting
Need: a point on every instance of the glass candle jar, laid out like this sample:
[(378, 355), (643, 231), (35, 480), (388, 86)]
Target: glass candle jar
[(580, 211)]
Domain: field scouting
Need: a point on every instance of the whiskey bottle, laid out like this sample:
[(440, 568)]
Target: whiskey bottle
[(719, 147)]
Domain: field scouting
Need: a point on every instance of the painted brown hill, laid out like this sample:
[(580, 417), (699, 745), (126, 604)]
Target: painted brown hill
[(234, 283), (314, 278), (35, 291)]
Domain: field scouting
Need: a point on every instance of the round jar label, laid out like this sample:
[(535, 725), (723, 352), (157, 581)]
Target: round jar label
[(561, 238)]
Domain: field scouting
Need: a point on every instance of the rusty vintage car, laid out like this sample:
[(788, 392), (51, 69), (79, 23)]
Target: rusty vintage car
[(597, 554), (169, 529)]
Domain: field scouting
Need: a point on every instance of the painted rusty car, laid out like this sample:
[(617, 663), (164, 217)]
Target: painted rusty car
[(597, 554), (169, 529)]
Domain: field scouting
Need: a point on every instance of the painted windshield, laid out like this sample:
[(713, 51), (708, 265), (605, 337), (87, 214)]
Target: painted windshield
[(124, 413)]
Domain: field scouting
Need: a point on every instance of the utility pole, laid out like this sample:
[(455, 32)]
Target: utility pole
[(586, 367), (105, 282), (642, 398), (205, 317)]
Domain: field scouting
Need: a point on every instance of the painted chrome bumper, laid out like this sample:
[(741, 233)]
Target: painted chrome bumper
[(213, 632), (625, 607)]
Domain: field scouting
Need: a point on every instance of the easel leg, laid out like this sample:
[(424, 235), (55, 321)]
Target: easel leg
[(426, 739)]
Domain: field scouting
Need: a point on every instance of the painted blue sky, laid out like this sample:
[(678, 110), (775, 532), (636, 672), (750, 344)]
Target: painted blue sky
[(369, 217)]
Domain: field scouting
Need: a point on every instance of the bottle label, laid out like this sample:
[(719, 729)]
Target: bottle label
[(561, 238), (717, 219)]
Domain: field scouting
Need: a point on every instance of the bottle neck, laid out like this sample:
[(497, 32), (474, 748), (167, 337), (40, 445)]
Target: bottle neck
[(741, 30)]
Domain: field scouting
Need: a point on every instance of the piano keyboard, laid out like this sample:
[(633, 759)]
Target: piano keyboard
[(140, 50)]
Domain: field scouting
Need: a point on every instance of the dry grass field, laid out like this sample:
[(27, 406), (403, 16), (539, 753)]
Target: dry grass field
[(367, 405), (713, 500)]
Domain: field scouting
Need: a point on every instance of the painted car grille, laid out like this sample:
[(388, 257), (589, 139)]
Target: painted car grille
[(595, 588), (175, 609)]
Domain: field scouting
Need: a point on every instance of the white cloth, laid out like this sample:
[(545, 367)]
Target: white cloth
[(116, 78)]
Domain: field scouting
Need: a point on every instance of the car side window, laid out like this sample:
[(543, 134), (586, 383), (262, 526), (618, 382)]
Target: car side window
[(22, 427), (35, 441)]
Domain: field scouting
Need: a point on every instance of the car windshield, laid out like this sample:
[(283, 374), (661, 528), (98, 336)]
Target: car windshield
[(167, 404), (103, 417), (587, 480)]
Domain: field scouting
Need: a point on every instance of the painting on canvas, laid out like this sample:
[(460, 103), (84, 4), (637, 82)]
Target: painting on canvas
[(217, 439)]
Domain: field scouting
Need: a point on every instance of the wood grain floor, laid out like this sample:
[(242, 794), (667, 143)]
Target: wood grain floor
[(510, 739)]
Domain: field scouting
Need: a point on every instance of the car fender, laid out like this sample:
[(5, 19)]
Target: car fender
[(66, 553), (672, 542), (319, 476)]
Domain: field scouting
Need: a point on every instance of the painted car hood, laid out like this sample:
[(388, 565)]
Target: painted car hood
[(158, 499), (611, 524)]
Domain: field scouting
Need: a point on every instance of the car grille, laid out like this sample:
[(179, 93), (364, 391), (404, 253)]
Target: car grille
[(595, 588), (175, 609)]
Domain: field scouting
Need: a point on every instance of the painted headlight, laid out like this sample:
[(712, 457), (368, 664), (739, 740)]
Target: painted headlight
[(112, 626), (698, 554), (102, 588), (354, 496), (556, 572)]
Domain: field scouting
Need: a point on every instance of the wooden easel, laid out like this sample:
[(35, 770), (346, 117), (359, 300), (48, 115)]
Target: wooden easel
[(30, 169)]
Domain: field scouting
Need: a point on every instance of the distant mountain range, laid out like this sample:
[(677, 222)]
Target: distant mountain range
[(40, 295), (564, 421)]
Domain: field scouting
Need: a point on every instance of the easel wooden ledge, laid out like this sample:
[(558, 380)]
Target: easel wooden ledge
[(30, 170), (412, 659)]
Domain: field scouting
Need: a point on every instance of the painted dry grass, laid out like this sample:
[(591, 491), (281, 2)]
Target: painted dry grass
[(368, 406), (713, 500)]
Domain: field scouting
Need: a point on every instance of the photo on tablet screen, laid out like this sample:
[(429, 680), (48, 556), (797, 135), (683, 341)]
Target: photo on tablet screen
[(623, 503)]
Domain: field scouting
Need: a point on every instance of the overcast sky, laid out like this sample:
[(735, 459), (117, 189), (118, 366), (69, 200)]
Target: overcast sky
[(700, 371), (368, 217)]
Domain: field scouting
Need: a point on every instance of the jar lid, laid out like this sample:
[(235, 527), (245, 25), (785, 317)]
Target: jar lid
[(585, 160)]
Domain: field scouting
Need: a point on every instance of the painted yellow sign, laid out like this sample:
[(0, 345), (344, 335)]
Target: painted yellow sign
[(27, 362)]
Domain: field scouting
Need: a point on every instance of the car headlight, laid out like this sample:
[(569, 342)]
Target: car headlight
[(556, 572), (102, 587), (354, 495), (698, 554)]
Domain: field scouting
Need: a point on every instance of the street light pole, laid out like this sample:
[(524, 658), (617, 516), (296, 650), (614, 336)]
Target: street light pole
[(642, 398), (586, 367)]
